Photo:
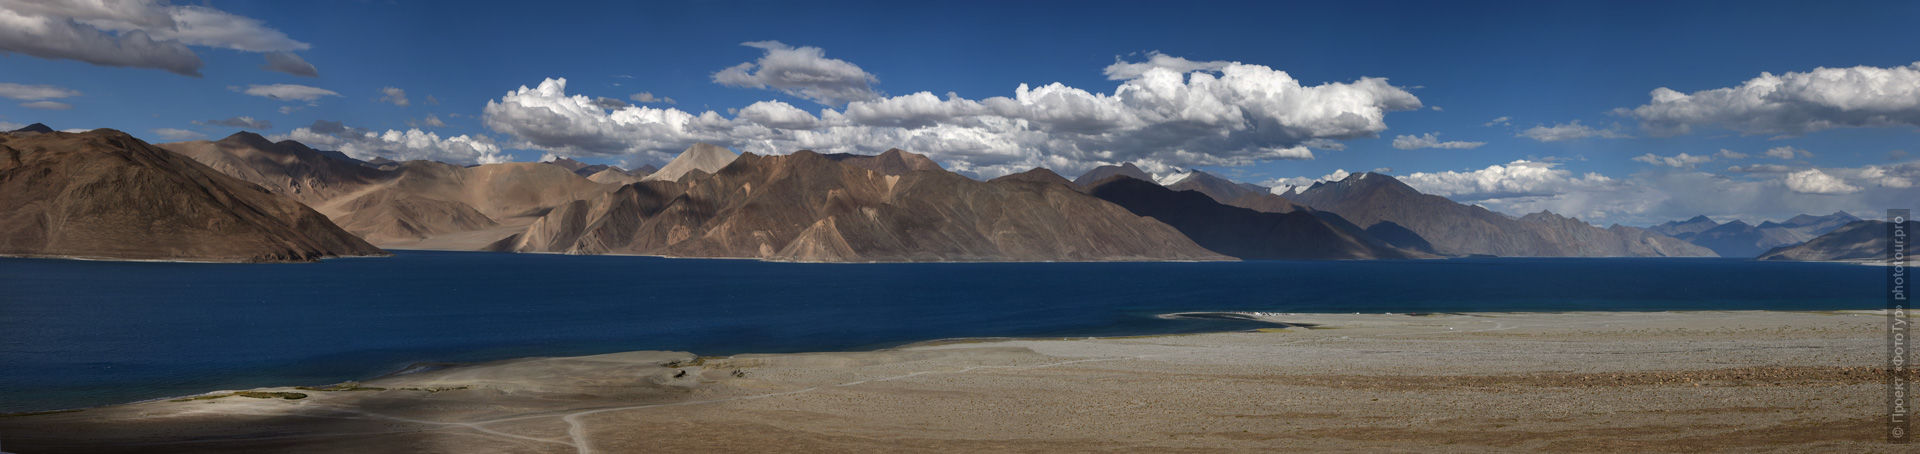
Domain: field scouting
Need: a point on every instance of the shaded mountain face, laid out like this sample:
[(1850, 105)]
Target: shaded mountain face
[(1739, 239), (808, 207), (701, 157), (643, 170), (581, 168), (1037, 175), (1243, 233), (1676, 228), (400, 204), (33, 128), (893, 162), (1102, 173), (105, 194), (1368, 199), (1220, 189), (1857, 241)]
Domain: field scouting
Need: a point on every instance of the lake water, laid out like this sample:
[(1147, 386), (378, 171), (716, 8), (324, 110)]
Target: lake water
[(80, 333)]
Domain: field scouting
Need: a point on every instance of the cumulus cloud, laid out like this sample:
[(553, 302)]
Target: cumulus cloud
[(131, 33), (1124, 70), (175, 135), (609, 103), (46, 105), (243, 122), (1757, 192), (649, 98), (286, 92), (1568, 131), (1162, 119), (1681, 160), (1792, 103), (288, 62), (803, 72), (1432, 140), (1813, 181), (1520, 178), (1787, 153), (433, 121), (394, 96), (35, 92), (1729, 154), (397, 145)]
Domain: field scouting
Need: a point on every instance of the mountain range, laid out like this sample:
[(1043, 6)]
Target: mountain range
[(1392, 210), (895, 206), (1859, 241), (106, 194), (1740, 239)]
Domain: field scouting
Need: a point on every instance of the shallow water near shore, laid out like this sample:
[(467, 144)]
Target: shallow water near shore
[(83, 333)]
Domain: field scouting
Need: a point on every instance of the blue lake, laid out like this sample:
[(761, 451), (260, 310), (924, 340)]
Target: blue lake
[(80, 333)]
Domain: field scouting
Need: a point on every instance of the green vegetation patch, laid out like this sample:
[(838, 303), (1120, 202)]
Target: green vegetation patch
[(344, 386)]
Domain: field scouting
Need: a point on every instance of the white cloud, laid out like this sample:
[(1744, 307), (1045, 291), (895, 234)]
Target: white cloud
[(35, 92), (46, 105), (1124, 70), (1729, 154), (1760, 168), (1502, 121), (1568, 131), (1240, 115), (1791, 103), (131, 33), (286, 92), (1787, 153), (1520, 178), (433, 120), (239, 122), (1681, 160), (397, 145), (1432, 140), (804, 72), (1813, 181), (394, 96), (288, 62), (175, 135), (649, 98)]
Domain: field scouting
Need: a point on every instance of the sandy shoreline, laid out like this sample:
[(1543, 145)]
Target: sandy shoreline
[(1615, 381)]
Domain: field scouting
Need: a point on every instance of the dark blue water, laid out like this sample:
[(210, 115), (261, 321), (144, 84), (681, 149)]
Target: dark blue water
[(77, 333)]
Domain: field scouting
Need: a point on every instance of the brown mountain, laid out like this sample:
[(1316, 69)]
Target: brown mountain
[(1861, 241), (1037, 175), (1244, 233), (643, 170), (581, 168), (1236, 194), (1382, 204), (808, 207), (105, 194), (414, 204), (701, 158), (1102, 173), (893, 162)]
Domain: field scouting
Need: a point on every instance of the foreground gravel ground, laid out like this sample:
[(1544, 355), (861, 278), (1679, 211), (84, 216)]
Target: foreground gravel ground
[(1640, 382)]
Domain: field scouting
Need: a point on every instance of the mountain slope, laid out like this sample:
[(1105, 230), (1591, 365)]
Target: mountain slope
[(809, 207), (1102, 173), (1240, 232), (1739, 239), (105, 194), (412, 204), (893, 162), (706, 158), (1858, 241), (1368, 199)]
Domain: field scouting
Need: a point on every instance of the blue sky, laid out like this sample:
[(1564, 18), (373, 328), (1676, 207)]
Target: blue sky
[(1539, 64)]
